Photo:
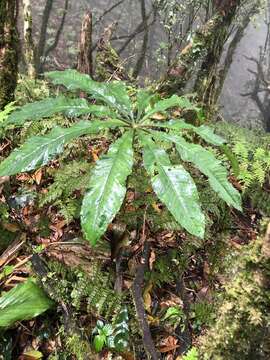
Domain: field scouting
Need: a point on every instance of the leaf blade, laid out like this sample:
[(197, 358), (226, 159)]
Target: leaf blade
[(23, 302), (208, 165), (48, 107), (114, 93), (205, 132), (107, 188), (39, 150), (176, 189), (168, 103)]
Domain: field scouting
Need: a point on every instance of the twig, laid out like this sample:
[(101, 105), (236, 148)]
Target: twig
[(11, 251), (108, 11)]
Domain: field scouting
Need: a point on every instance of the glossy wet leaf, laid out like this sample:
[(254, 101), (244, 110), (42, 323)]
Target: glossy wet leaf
[(39, 150), (113, 93), (50, 106), (165, 104), (23, 302), (121, 330), (107, 188), (205, 132), (176, 189), (208, 164), (143, 101)]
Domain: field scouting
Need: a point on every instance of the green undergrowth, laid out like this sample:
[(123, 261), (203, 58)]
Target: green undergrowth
[(252, 151), (242, 326)]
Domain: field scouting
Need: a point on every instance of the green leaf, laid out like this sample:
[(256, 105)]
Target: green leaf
[(107, 330), (166, 104), (205, 132), (99, 342), (121, 330), (143, 101), (232, 158), (113, 93), (208, 135), (39, 150), (23, 302), (51, 106), (208, 164), (33, 354), (172, 312), (192, 354), (175, 188), (7, 110), (107, 188)]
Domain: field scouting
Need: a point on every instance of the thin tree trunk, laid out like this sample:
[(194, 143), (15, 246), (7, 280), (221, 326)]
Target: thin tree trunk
[(8, 51), (59, 31), (85, 61), (207, 44), (43, 35), (28, 39), (208, 78), (141, 59)]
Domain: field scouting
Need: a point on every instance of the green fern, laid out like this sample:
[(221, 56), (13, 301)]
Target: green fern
[(69, 180), (252, 151), (192, 354)]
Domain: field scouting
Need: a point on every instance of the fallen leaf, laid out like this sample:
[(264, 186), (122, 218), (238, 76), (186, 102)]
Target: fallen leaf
[(158, 116), (11, 227), (169, 344), (31, 355), (152, 259), (38, 176)]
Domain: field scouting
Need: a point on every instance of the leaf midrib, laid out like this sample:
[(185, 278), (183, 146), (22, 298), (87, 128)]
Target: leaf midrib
[(109, 178), (173, 187)]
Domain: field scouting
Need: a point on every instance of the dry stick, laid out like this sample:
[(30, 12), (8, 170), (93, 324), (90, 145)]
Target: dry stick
[(139, 304)]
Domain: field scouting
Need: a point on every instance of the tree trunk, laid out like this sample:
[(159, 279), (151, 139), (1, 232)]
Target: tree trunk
[(85, 63), (238, 36), (8, 51), (43, 36), (28, 39), (206, 45), (208, 78), (141, 59)]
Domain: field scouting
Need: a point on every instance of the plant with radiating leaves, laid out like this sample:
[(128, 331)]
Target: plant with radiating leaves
[(137, 123)]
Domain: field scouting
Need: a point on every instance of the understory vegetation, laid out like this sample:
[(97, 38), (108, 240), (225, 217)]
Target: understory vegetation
[(134, 220), (100, 299)]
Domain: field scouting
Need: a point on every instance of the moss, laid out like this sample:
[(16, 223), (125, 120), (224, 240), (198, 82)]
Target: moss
[(8, 51), (242, 328), (76, 346)]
